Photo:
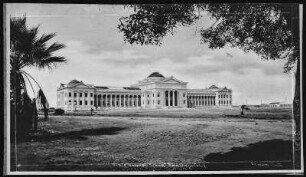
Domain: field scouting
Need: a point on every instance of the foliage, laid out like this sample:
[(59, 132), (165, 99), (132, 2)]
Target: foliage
[(58, 111), (27, 49), (262, 28), (151, 23)]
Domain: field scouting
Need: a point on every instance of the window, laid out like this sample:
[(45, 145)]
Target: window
[(75, 102), (91, 94), (86, 94), (75, 94), (153, 101), (153, 94), (91, 102), (184, 101), (183, 94), (148, 95), (158, 102), (80, 94), (69, 102), (80, 103), (157, 94), (85, 102), (148, 102), (69, 94)]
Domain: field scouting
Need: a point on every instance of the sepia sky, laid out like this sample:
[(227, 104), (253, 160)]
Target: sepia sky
[(97, 54)]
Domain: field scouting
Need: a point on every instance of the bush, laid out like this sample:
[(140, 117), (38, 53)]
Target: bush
[(58, 111)]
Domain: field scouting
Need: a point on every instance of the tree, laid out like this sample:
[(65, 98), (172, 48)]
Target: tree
[(269, 30), (27, 49)]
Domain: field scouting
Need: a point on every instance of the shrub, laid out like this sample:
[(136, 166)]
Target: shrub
[(58, 111)]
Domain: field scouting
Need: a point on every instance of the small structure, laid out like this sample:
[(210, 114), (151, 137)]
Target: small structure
[(280, 105)]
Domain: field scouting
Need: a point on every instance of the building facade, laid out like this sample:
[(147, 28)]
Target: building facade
[(156, 91)]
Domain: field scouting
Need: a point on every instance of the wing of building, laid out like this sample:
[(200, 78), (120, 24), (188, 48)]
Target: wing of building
[(155, 91)]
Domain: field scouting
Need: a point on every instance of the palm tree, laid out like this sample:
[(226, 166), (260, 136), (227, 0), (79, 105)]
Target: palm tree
[(27, 49)]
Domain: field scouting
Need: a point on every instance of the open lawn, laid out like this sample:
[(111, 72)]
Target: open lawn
[(186, 139)]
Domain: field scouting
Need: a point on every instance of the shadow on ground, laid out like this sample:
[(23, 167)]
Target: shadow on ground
[(271, 154), (77, 135)]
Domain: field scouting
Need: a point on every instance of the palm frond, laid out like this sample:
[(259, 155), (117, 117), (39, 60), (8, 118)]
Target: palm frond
[(42, 99), (52, 62), (55, 46), (45, 38), (29, 83)]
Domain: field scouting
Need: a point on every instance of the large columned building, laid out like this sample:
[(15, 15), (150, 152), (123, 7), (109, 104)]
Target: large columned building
[(156, 91)]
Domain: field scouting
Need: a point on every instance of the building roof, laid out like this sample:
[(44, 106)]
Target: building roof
[(73, 82), (156, 74), (213, 87), (275, 103)]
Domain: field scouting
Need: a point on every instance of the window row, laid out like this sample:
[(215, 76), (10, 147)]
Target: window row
[(80, 94), (148, 95), (224, 102), (80, 102), (225, 96), (148, 102)]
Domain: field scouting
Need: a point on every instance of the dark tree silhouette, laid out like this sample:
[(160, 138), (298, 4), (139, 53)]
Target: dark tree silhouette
[(27, 49), (269, 30)]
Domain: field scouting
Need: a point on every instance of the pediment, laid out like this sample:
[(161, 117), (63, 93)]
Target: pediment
[(172, 80), (80, 85)]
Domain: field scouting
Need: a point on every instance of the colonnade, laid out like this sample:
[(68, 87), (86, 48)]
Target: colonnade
[(199, 100), (117, 100), (171, 98)]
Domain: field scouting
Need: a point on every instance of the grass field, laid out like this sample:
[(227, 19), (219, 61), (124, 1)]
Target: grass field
[(182, 139)]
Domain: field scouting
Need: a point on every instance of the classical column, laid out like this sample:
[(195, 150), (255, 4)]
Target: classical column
[(210, 100), (168, 98), (173, 99), (199, 97), (136, 100), (205, 101), (128, 101), (124, 104), (177, 98), (101, 101), (198, 100)]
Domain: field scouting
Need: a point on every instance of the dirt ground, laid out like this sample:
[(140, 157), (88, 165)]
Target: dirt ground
[(112, 140)]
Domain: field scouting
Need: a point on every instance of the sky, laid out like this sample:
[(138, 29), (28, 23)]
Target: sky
[(97, 54)]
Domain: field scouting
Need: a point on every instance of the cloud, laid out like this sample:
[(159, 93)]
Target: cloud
[(97, 54)]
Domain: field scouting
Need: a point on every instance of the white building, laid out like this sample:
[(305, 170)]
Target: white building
[(156, 91), (280, 105)]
